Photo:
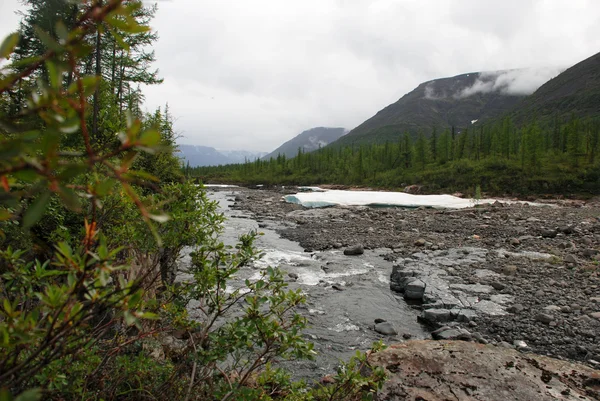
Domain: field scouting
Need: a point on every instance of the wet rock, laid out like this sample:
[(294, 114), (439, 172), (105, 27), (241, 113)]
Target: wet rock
[(407, 336), (440, 370), (378, 320), (337, 287), (293, 276), (549, 233), (354, 250), (385, 328)]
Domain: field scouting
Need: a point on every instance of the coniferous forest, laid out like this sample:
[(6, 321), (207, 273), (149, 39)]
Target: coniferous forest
[(558, 157)]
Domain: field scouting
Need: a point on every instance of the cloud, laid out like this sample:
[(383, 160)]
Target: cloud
[(520, 82), (252, 74)]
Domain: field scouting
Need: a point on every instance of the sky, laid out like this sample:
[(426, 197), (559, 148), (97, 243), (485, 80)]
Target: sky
[(252, 74)]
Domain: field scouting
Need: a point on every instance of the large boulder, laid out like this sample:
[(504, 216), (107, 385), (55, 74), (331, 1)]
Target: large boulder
[(458, 370)]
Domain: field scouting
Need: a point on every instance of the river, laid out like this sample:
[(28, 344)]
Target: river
[(341, 320)]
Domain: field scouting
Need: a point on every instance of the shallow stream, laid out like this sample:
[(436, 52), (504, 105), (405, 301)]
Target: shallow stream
[(341, 320)]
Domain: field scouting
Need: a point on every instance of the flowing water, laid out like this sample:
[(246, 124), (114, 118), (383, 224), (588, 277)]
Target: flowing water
[(341, 320)]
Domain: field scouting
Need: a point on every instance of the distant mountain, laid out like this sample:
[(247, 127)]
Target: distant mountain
[(207, 156), (443, 103), (309, 140), (574, 92)]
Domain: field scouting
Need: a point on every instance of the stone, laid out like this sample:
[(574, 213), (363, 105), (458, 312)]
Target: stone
[(516, 308), (354, 250), (378, 320), (552, 308), (498, 286), (595, 315), (570, 259), (436, 315), (414, 289), (509, 270), (407, 336), (452, 334), (337, 287), (544, 318), (589, 253), (515, 242), (386, 329), (549, 233), (420, 242), (293, 276), (567, 229), (520, 344)]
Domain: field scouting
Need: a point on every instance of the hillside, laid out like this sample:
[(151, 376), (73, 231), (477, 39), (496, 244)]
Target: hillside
[(442, 103), (208, 156), (576, 91), (309, 140)]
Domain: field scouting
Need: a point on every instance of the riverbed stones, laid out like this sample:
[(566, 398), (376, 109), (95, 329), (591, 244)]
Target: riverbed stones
[(414, 289), (549, 233), (385, 328), (544, 318), (354, 250)]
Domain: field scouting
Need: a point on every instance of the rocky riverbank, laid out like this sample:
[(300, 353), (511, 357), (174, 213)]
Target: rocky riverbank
[(517, 276)]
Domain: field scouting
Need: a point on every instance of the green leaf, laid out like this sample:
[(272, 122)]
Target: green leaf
[(46, 39), (35, 212), (30, 395), (149, 138), (9, 44), (61, 31), (54, 74)]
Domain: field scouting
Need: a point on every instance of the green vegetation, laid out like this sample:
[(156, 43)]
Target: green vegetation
[(499, 158), (94, 215)]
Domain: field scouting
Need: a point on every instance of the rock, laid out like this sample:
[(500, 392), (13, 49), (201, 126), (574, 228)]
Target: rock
[(293, 276), (414, 289), (354, 250), (337, 287), (549, 233), (451, 370), (407, 336), (515, 242), (386, 329), (567, 229), (520, 344), (498, 286), (516, 308), (449, 333), (552, 308), (544, 318), (570, 259), (595, 315), (509, 270), (436, 315), (589, 253), (380, 320), (420, 242)]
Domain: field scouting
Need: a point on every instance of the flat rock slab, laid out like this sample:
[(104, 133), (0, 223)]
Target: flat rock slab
[(458, 370)]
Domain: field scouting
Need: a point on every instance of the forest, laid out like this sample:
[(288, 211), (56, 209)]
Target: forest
[(499, 157), (95, 213)]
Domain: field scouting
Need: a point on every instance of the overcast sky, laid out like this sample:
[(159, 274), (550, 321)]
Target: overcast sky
[(251, 74)]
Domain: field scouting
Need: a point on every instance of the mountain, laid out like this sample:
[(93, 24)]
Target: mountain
[(207, 156), (446, 102), (574, 92), (308, 140)]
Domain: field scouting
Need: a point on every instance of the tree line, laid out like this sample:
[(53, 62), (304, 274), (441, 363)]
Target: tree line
[(501, 158)]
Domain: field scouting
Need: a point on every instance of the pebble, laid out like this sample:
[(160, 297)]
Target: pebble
[(570, 259), (420, 242)]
